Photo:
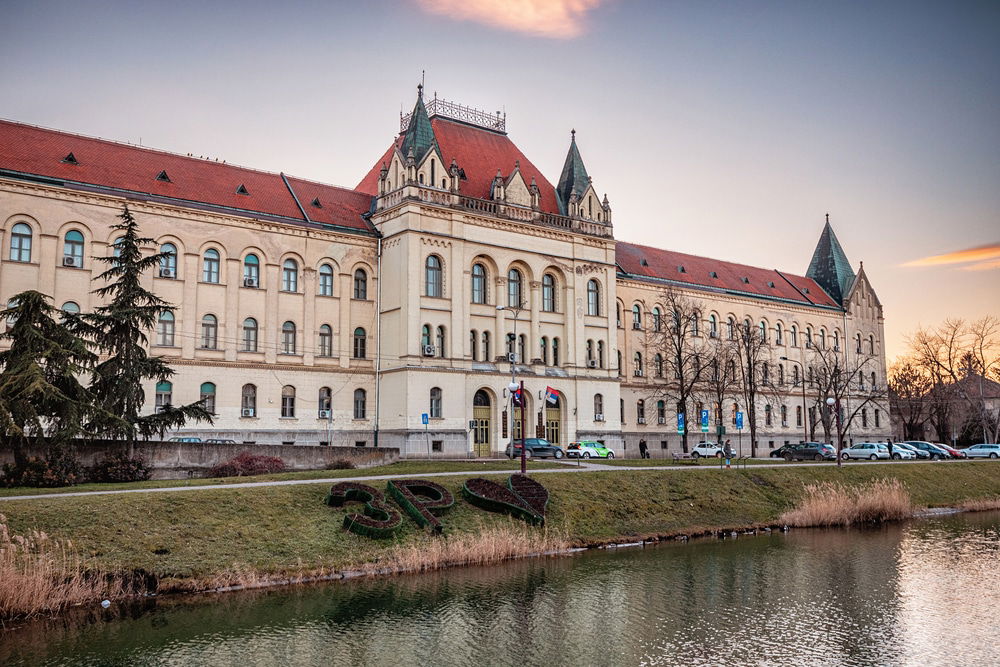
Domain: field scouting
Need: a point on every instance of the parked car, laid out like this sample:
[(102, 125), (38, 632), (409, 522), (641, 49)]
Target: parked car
[(901, 452), (935, 452), (817, 451), (918, 453), (221, 441), (708, 449), (955, 453), (865, 450), (586, 449), (983, 451), (535, 447), (185, 438)]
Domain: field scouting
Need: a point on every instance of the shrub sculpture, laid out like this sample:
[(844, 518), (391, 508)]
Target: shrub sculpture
[(418, 497), (379, 519), (492, 497), (246, 463)]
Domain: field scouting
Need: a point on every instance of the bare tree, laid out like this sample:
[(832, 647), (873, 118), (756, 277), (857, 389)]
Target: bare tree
[(676, 353), (752, 352), (850, 382), (909, 387), (720, 380)]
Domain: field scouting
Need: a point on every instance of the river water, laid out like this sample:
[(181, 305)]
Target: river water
[(925, 592)]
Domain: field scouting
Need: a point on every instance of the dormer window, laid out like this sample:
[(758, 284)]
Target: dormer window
[(770, 283), (70, 159), (681, 269), (162, 176), (713, 274), (242, 190), (644, 262), (315, 202), (746, 281)]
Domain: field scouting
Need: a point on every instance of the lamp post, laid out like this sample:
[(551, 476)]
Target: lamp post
[(834, 404), (802, 379), (514, 386)]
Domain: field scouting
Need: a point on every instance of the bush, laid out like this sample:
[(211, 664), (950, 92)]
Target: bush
[(120, 467), (246, 463), (59, 468), (340, 464)]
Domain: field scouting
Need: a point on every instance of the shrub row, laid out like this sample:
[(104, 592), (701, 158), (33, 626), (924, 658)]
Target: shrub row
[(61, 468)]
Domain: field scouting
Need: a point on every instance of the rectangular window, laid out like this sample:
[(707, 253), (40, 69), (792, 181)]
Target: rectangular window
[(877, 420), (360, 443), (436, 445)]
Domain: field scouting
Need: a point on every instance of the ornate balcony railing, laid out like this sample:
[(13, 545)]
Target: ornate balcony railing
[(476, 117)]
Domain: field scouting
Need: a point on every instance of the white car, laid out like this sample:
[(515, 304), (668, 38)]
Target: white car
[(983, 451), (865, 450), (902, 453), (708, 449)]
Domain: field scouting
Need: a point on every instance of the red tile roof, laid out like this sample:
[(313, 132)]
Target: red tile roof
[(479, 152), (107, 164), (664, 264)]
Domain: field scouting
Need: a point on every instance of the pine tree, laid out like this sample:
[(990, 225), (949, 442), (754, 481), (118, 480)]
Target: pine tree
[(118, 330), (40, 391)]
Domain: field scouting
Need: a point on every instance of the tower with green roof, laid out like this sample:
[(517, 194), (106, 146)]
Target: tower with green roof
[(829, 266)]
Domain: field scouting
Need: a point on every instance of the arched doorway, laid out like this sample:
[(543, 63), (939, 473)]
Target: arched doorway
[(482, 434), (553, 420)]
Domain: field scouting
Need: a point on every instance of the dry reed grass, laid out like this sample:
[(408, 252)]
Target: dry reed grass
[(981, 505), (833, 504), (41, 575)]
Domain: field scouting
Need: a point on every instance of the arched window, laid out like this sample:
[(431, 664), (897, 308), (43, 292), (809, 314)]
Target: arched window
[(640, 410), (836, 341), (210, 266), (784, 415), (661, 412), (548, 293), (795, 374), (164, 395), (593, 297), (857, 340), (168, 260), (290, 276), (251, 271), (794, 336), (598, 407), (207, 396), (520, 350), (778, 334), (486, 346), (544, 351), (695, 319), (481, 399), (435, 403), (165, 329), (809, 337), (325, 341), (636, 317), (360, 400), (478, 283), (590, 351), (658, 361), (248, 401), (324, 403), (326, 280), (781, 374), (621, 371), (731, 325), (555, 351), (360, 285), (514, 295), (288, 338), (360, 344), (288, 401), (822, 339), (73, 249), (209, 332), (768, 421), (20, 243), (440, 342), (249, 335), (116, 247), (657, 319), (618, 314), (637, 360), (874, 385), (71, 308), (763, 331), (432, 270), (425, 334), (871, 345), (474, 344), (600, 354), (713, 326)]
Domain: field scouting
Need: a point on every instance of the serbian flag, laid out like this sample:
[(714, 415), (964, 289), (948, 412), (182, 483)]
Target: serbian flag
[(551, 395), (516, 397)]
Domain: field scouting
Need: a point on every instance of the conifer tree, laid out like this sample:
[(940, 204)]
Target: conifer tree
[(41, 394), (118, 330)]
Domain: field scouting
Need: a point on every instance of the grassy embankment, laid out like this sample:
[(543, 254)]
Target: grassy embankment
[(218, 537)]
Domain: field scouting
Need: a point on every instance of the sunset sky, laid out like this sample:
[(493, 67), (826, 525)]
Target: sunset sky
[(716, 128)]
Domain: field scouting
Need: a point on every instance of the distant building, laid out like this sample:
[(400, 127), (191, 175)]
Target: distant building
[(309, 313)]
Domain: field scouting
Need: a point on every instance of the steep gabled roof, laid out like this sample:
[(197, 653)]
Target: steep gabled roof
[(644, 262), (27, 151), (574, 177), (419, 136), (829, 266)]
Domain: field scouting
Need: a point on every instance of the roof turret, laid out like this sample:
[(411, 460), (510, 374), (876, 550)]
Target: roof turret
[(574, 178), (419, 137), (829, 266)]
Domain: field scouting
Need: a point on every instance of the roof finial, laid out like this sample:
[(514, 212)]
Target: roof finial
[(420, 90), (572, 134), (828, 218)]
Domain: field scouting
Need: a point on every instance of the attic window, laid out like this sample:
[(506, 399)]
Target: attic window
[(713, 274), (162, 176), (681, 269), (770, 283), (70, 159), (242, 190), (315, 202), (806, 290), (746, 281), (644, 262)]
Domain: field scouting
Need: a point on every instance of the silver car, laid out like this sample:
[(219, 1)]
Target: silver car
[(865, 450), (983, 451)]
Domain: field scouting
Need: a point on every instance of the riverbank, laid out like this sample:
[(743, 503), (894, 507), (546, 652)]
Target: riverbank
[(222, 537)]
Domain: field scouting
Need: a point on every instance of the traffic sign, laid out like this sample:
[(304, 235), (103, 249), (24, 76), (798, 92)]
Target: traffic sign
[(425, 419), (704, 421), (680, 423), (739, 420)]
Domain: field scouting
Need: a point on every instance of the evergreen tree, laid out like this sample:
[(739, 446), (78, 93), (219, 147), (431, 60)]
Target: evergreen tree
[(40, 391), (118, 330)]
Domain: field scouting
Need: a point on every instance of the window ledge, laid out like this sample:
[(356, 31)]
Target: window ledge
[(286, 419), (206, 282)]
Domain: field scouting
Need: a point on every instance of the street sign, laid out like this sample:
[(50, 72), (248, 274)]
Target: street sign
[(704, 421), (424, 419), (739, 420), (680, 423)]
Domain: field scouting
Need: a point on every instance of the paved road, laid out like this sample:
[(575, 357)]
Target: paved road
[(568, 467)]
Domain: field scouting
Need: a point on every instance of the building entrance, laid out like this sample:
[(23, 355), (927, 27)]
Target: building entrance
[(553, 419), (482, 433)]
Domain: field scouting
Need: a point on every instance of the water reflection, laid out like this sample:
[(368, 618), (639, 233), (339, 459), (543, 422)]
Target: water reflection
[(921, 593)]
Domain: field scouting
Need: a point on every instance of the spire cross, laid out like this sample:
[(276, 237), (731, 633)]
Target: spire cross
[(827, 218)]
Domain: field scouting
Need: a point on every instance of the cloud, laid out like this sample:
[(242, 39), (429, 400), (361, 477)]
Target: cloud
[(557, 19), (980, 258)]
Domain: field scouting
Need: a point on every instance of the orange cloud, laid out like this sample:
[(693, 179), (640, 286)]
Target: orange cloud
[(558, 19), (984, 257)]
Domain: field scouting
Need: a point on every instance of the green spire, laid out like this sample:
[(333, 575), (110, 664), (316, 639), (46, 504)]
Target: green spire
[(829, 266), (574, 178), (419, 135)]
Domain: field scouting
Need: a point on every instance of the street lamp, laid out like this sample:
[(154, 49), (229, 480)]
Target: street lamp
[(513, 387), (805, 428), (834, 404)]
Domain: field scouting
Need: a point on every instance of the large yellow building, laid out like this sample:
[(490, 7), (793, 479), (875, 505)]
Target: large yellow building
[(307, 313)]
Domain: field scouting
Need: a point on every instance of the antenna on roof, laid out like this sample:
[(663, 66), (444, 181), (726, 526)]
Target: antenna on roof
[(422, 77)]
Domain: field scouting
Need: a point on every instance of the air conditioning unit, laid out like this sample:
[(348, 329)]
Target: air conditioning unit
[(70, 260), (428, 350), (598, 418), (591, 363), (638, 374), (250, 282), (512, 357), (641, 420), (661, 420), (166, 272), (636, 326), (248, 412), (324, 414)]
